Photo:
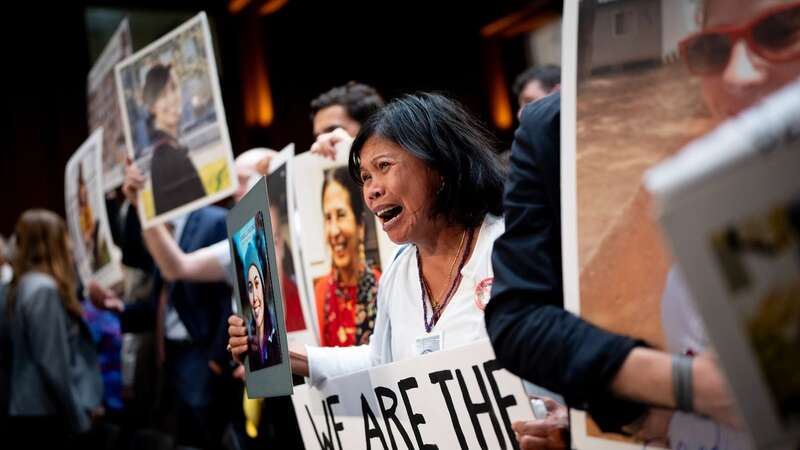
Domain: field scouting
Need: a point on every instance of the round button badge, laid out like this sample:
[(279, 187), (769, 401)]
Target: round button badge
[(483, 292)]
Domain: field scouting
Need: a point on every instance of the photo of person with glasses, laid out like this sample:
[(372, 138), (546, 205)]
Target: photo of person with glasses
[(660, 74), (744, 51)]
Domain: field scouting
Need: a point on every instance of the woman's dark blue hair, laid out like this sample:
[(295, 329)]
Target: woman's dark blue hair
[(449, 140)]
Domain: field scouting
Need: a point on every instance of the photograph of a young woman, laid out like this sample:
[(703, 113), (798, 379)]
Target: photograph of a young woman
[(174, 177)]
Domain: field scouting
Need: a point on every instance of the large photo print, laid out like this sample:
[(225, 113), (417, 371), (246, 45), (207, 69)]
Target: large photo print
[(298, 316), (651, 76), (96, 257), (343, 250), (174, 123), (103, 105)]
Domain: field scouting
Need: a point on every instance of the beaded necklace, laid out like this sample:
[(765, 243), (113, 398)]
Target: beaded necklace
[(436, 312)]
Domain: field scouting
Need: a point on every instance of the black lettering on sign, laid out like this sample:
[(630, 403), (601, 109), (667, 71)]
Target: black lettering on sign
[(371, 428), (390, 413), (475, 409), (503, 403), (441, 378), (325, 442), (416, 420), (337, 426)]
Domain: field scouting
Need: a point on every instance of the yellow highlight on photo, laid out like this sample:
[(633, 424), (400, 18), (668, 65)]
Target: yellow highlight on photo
[(147, 203), (215, 176)]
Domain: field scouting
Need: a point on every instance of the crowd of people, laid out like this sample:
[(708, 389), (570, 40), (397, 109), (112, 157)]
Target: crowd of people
[(467, 217)]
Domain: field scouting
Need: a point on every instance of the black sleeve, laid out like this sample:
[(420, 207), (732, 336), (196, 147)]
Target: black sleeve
[(134, 252), (219, 352), (140, 317), (533, 336)]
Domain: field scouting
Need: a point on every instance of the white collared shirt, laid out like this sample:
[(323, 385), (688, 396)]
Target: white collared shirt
[(400, 317)]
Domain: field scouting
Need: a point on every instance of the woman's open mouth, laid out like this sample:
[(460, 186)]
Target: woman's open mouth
[(389, 215)]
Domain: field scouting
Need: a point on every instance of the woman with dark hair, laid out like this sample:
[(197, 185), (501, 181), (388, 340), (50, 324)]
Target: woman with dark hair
[(55, 378), (173, 175), (264, 345), (345, 297), (428, 171)]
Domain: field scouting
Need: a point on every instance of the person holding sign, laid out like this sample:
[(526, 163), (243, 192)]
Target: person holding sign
[(431, 296)]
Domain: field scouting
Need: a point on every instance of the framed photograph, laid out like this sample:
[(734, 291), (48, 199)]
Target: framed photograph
[(738, 248), (343, 248), (96, 257), (103, 105), (174, 123), (258, 291), (299, 321)]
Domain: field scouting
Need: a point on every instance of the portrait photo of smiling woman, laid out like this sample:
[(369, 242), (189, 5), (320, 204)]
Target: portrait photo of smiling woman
[(345, 296)]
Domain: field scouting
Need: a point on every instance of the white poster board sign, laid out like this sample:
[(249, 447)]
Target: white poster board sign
[(96, 256), (453, 399), (174, 123), (103, 107), (299, 321)]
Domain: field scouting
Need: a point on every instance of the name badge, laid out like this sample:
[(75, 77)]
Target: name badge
[(429, 343)]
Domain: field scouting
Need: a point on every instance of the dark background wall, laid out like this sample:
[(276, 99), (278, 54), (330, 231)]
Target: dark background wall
[(308, 47)]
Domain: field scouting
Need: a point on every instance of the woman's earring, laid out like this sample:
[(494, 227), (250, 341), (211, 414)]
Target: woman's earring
[(441, 188)]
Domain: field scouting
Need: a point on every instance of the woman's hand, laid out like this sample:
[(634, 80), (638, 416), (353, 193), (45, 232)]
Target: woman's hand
[(711, 394), (238, 372), (237, 337), (652, 428), (550, 433), (262, 165), (133, 183), (326, 143), (96, 414), (103, 298)]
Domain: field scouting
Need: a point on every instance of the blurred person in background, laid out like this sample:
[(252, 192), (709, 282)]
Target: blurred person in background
[(56, 387), (536, 83)]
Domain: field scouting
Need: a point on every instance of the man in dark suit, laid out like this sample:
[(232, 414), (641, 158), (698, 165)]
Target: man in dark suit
[(189, 321), (532, 334)]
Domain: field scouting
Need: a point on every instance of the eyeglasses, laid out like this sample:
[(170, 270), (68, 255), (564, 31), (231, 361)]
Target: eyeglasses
[(774, 35)]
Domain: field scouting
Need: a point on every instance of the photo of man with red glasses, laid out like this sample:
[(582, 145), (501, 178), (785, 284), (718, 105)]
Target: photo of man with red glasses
[(656, 75)]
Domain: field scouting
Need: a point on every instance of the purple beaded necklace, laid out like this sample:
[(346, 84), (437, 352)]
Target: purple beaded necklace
[(426, 292)]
